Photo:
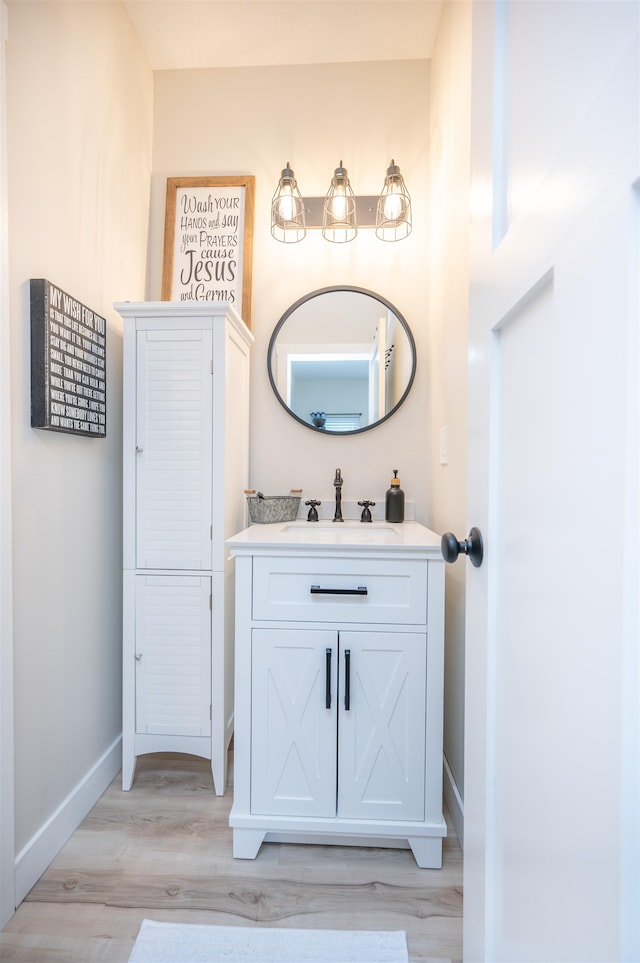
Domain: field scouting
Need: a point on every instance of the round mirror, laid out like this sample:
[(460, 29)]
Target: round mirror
[(341, 360)]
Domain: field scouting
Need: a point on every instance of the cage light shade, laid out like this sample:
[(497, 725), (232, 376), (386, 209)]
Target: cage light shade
[(393, 213), (339, 212), (287, 210)]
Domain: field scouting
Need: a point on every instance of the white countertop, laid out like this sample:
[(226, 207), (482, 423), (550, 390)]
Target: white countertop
[(330, 538)]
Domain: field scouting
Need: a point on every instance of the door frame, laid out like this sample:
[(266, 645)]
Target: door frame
[(7, 854)]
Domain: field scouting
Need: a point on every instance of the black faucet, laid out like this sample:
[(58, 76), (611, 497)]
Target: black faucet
[(337, 483), (366, 506), (313, 509)]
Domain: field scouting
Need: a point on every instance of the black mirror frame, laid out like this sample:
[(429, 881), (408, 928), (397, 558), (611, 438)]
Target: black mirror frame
[(331, 290)]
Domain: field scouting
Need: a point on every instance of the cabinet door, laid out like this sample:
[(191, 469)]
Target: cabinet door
[(381, 746), (173, 445), (293, 733), (173, 655)]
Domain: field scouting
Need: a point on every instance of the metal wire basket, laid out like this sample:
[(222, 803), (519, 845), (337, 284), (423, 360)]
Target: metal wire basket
[(264, 509)]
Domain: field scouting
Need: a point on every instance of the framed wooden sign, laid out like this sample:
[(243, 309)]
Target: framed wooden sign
[(68, 363), (208, 241)]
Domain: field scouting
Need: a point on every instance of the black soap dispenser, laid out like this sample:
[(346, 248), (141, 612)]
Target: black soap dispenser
[(394, 503)]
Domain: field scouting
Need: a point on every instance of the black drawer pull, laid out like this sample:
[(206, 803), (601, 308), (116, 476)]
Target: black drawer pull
[(347, 679), (360, 590), (327, 698)]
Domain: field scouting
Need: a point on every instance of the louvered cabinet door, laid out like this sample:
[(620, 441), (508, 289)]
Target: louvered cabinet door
[(173, 449), (173, 655)]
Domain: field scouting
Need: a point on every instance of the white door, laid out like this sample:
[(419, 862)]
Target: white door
[(173, 655), (381, 725), (174, 449), (293, 721), (551, 783), (377, 380)]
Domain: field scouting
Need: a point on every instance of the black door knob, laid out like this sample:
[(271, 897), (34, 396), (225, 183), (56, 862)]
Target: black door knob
[(471, 546)]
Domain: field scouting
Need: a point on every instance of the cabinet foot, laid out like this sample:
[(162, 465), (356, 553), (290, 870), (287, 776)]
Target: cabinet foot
[(427, 851), (128, 771), (247, 842), (219, 773)]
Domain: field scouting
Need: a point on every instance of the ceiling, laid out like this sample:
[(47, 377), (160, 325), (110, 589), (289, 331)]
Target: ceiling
[(184, 34)]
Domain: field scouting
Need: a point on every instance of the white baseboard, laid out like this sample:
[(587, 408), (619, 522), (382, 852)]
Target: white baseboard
[(454, 803), (45, 845)]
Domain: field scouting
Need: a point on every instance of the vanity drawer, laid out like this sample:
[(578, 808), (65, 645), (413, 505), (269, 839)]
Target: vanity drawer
[(340, 590)]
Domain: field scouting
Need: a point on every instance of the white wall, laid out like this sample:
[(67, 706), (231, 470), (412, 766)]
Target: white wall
[(79, 134), (254, 120), (449, 149)]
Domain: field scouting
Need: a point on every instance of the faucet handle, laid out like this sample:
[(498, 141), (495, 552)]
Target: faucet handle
[(313, 511), (366, 505)]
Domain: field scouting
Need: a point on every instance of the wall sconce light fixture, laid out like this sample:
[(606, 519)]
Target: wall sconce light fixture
[(340, 214), (393, 216), (287, 210)]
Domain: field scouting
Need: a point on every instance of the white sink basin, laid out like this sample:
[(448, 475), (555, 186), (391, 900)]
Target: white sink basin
[(349, 532), (317, 528)]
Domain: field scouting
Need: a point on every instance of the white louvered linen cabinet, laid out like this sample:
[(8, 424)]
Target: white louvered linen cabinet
[(185, 466)]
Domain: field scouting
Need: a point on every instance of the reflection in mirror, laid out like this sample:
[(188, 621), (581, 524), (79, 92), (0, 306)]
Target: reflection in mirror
[(341, 360)]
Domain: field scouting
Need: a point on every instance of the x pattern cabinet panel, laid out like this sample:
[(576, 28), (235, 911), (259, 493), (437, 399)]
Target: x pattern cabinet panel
[(293, 733), (382, 736)]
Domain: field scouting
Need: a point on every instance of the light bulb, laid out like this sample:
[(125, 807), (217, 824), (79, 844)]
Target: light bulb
[(393, 205), (287, 204), (338, 204)]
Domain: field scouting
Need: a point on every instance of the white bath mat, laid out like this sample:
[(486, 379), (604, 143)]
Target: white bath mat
[(194, 943)]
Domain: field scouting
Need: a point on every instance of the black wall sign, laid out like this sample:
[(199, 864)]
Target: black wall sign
[(68, 363)]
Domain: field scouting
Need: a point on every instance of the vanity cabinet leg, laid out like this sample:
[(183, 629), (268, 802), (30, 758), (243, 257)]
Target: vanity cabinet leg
[(427, 851), (247, 842)]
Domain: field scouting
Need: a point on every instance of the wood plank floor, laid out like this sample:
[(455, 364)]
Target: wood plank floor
[(163, 851)]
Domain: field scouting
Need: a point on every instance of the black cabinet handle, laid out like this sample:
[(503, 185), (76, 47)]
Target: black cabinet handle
[(347, 679), (360, 590), (327, 697)]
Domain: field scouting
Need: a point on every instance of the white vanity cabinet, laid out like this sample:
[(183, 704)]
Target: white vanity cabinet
[(339, 680), (346, 733), (185, 463)]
